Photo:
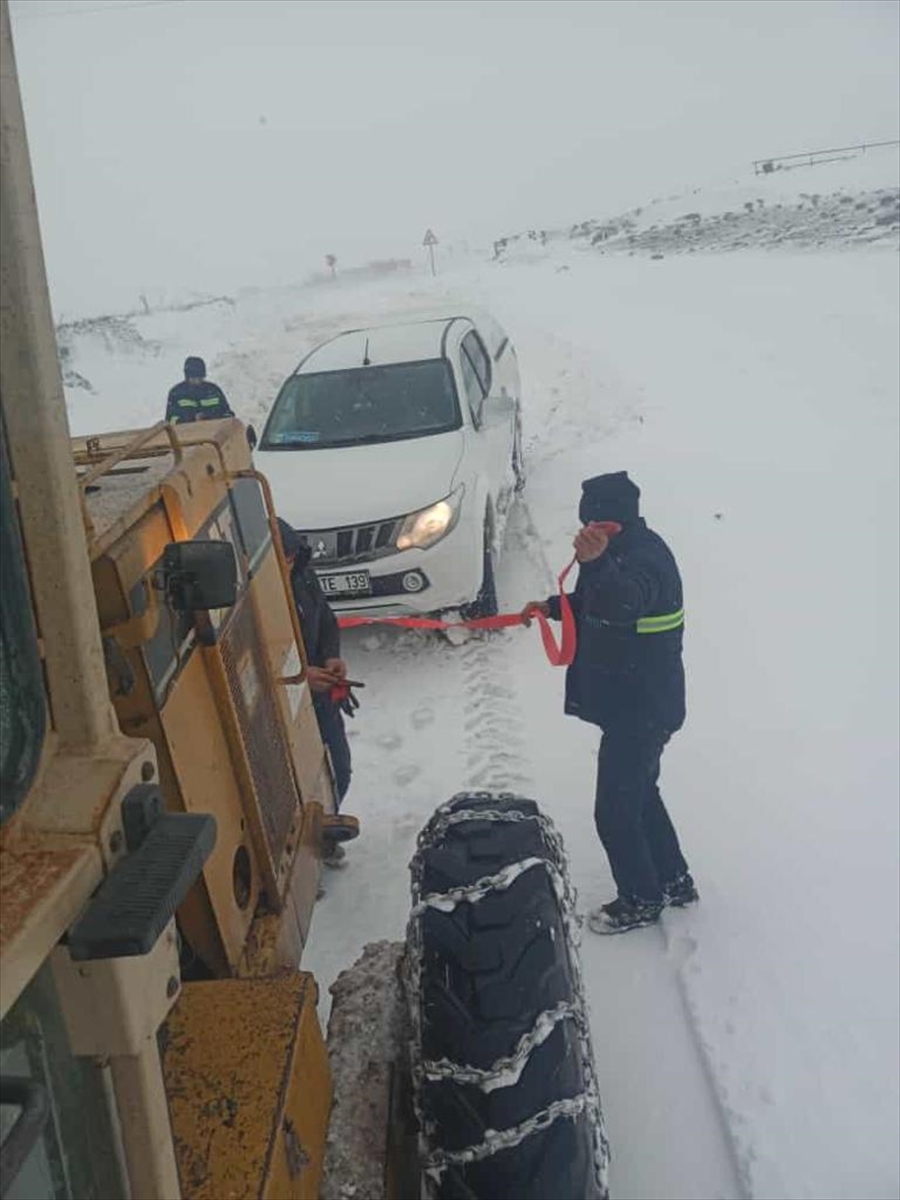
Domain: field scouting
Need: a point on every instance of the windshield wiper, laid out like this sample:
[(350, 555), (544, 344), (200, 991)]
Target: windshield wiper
[(364, 439), (368, 438)]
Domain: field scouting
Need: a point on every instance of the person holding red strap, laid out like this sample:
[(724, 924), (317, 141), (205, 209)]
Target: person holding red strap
[(627, 677), (326, 670)]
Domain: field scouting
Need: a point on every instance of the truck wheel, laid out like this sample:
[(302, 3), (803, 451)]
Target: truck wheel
[(485, 603), (504, 1081)]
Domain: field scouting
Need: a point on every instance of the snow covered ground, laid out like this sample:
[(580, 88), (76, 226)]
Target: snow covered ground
[(749, 1046), (850, 200)]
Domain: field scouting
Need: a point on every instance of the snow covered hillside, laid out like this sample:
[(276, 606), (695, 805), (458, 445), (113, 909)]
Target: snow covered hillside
[(748, 1046), (851, 201)]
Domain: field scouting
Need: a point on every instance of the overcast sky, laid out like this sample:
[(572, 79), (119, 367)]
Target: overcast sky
[(206, 144)]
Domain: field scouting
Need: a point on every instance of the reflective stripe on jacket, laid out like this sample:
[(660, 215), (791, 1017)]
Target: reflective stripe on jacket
[(196, 402)]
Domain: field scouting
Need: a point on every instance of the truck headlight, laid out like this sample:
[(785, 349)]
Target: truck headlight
[(422, 529)]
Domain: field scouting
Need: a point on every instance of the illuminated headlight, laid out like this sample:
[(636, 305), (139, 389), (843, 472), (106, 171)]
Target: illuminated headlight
[(423, 529)]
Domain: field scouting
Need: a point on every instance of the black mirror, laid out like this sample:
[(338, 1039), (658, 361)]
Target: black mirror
[(252, 439), (200, 575)]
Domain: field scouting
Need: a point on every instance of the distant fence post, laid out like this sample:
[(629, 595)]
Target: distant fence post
[(810, 158)]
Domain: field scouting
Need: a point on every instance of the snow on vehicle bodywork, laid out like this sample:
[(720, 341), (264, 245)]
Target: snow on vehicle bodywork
[(391, 449)]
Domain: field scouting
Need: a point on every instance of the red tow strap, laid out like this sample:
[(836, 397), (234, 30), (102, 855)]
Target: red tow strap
[(559, 655)]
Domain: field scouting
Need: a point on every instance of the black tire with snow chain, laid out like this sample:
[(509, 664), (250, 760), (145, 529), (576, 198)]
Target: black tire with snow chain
[(504, 1079)]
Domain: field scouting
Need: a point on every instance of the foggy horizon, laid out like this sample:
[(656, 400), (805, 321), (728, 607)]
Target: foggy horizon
[(193, 147)]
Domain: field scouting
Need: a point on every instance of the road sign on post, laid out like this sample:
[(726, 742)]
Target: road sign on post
[(430, 241)]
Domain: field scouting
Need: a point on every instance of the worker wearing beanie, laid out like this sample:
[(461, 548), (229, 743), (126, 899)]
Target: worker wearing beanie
[(628, 678), (196, 398)]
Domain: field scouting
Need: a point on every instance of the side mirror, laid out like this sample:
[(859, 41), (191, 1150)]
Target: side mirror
[(200, 575), (252, 439), (498, 409)]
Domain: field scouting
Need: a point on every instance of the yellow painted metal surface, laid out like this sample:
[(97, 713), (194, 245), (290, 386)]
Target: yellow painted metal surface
[(54, 850), (295, 1168), (249, 1088), (231, 738), (200, 754), (301, 898), (276, 941), (44, 883), (212, 449)]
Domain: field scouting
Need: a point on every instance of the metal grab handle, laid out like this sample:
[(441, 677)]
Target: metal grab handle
[(283, 568), (34, 1100)]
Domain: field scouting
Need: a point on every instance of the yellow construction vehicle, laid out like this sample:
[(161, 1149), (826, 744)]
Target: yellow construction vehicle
[(165, 793), (165, 790)]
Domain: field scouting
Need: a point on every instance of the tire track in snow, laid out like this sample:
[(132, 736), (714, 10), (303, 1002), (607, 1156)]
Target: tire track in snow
[(679, 949), (527, 573), (493, 726), (497, 755)]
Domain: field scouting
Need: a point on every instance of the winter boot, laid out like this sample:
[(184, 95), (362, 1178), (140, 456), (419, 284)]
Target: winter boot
[(680, 892), (623, 914)]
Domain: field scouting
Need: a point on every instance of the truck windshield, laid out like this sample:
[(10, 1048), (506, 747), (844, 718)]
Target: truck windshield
[(363, 405)]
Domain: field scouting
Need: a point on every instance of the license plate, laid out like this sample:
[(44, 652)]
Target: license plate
[(348, 583)]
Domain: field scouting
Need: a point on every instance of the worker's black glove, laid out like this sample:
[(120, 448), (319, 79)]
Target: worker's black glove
[(349, 704), (344, 700)]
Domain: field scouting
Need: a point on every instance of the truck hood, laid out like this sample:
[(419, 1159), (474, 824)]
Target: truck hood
[(357, 485)]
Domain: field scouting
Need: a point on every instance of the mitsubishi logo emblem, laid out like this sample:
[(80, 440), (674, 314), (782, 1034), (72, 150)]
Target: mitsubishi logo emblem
[(321, 550)]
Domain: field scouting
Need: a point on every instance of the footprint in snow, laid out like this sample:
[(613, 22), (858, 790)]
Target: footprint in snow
[(422, 718), (389, 741), (404, 826), (405, 775)]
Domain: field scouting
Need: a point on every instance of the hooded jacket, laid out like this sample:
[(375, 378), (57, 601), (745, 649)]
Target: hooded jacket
[(622, 676)]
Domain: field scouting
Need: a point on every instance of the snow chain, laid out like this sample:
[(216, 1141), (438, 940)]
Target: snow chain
[(505, 1071)]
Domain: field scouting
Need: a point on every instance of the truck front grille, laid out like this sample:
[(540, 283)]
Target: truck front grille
[(358, 543)]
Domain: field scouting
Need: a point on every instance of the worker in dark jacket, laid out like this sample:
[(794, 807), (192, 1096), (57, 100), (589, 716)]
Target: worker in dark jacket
[(326, 669), (628, 678), (195, 398)]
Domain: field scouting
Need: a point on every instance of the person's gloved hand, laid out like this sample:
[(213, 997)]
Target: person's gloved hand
[(342, 696)]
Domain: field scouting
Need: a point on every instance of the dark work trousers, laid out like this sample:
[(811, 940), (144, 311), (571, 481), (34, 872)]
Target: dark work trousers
[(331, 727), (634, 827)]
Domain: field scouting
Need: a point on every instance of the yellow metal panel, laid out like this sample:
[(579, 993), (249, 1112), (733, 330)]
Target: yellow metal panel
[(313, 774), (274, 943), (295, 1169), (202, 763), (56, 847), (249, 1088), (284, 655), (190, 488), (193, 491), (246, 659), (307, 869), (231, 739), (129, 560), (44, 883)]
